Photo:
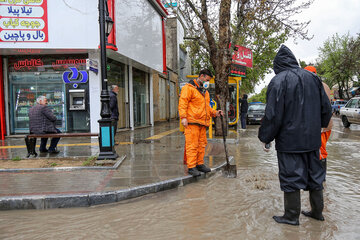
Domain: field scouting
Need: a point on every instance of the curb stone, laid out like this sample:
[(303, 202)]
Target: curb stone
[(97, 198)]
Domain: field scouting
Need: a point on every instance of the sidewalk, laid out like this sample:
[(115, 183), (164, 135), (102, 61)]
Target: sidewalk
[(153, 162)]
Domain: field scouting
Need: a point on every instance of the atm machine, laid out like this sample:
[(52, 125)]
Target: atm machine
[(77, 100), (78, 110)]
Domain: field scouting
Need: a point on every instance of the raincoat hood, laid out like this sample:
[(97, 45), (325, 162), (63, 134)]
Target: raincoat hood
[(284, 60)]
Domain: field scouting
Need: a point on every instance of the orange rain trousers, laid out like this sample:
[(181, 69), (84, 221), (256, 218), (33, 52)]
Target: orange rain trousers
[(324, 138), (195, 143)]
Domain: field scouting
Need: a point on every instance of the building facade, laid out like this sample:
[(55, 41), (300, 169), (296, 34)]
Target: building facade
[(178, 64), (51, 48)]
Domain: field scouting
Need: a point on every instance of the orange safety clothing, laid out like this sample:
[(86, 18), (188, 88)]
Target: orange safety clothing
[(324, 138), (310, 69), (195, 105), (195, 143)]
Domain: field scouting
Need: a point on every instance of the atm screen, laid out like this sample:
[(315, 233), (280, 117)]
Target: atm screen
[(78, 101)]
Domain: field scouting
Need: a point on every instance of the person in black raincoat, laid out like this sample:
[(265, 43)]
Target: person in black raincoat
[(297, 108), (243, 111), (114, 108)]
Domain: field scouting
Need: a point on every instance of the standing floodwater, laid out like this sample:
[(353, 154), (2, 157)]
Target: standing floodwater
[(214, 208)]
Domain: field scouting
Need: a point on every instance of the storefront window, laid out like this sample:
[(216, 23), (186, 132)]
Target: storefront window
[(33, 76), (116, 76), (141, 98)]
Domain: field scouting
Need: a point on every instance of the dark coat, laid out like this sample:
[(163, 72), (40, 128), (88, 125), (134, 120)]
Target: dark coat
[(244, 105), (114, 106), (41, 120), (297, 107)]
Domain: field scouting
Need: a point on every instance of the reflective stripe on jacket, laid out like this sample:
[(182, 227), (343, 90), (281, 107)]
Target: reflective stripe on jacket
[(194, 105)]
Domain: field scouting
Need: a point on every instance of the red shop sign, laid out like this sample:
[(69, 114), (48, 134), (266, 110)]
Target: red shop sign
[(242, 56), (57, 64)]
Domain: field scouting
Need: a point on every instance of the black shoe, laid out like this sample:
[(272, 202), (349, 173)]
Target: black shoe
[(283, 219), (310, 214), (194, 172), (317, 205), (55, 151), (43, 151), (203, 168), (292, 209)]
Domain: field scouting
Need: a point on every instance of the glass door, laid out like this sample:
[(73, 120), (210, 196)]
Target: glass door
[(141, 102)]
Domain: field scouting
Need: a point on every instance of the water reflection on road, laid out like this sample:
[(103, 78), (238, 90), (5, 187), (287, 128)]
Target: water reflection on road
[(215, 208)]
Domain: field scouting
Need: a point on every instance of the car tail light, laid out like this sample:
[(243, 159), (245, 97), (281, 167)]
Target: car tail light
[(338, 106)]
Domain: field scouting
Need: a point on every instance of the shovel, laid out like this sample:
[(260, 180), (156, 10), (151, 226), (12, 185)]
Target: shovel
[(229, 170)]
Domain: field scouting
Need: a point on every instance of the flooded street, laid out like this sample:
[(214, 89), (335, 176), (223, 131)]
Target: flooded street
[(217, 207)]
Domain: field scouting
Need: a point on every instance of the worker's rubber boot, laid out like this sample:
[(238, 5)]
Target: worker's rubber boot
[(194, 172), (203, 168), (292, 206), (317, 205)]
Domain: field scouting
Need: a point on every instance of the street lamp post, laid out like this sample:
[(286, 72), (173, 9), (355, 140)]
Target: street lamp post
[(106, 124)]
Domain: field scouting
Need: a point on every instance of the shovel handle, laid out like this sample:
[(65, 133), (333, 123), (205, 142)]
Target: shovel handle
[(224, 138)]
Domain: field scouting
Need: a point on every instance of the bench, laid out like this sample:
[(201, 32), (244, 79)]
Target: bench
[(30, 140)]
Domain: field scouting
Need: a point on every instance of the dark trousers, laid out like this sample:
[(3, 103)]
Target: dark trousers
[(115, 122), (243, 120), (53, 143), (300, 171)]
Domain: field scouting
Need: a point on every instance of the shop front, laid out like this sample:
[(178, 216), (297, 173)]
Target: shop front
[(63, 79)]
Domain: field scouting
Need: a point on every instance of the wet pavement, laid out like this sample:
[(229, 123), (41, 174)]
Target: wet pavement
[(153, 155), (216, 207)]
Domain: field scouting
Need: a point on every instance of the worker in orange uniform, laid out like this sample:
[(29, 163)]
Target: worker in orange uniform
[(325, 132), (195, 114)]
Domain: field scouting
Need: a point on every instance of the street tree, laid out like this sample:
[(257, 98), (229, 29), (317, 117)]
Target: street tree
[(263, 26), (338, 63), (260, 25), (260, 97)]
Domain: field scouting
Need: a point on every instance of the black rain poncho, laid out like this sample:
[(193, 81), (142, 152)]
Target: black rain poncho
[(297, 107)]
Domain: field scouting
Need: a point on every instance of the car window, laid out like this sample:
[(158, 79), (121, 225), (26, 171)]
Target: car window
[(353, 103), (256, 107), (348, 105), (357, 103)]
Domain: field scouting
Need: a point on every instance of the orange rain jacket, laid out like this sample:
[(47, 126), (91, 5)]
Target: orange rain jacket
[(194, 105), (324, 138), (325, 132)]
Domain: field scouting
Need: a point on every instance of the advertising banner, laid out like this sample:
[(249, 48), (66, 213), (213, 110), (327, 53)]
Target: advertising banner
[(23, 21)]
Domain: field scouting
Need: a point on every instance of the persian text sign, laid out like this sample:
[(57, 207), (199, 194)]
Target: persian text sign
[(23, 21), (242, 56)]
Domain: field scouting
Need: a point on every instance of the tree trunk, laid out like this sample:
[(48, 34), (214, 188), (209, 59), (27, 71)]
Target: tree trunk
[(223, 59), (221, 101), (219, 51)]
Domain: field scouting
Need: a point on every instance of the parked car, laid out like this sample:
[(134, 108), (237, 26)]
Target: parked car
[(256, 112), (337, 105), (350, 113)]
